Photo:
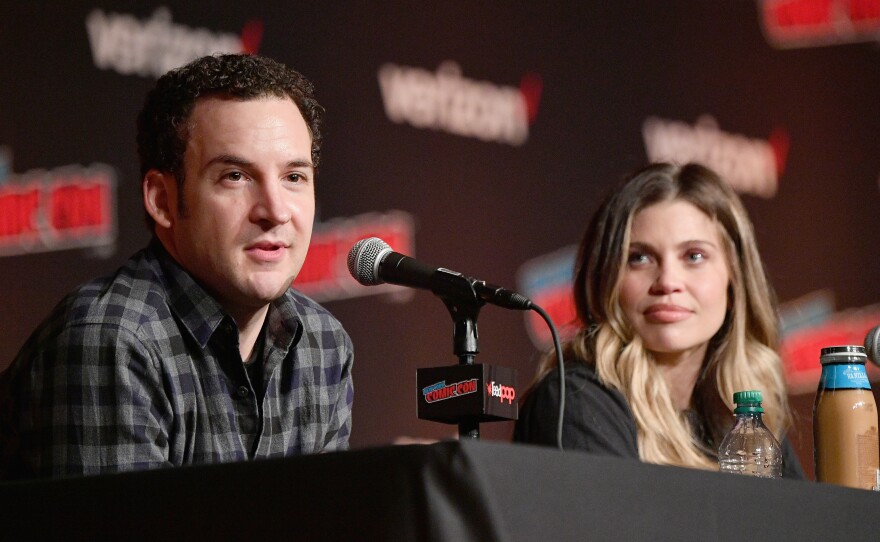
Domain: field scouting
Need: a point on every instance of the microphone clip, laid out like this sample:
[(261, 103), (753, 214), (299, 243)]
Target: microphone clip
[(459, 294)]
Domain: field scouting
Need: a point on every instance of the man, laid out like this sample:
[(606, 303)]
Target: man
[(197, 350)]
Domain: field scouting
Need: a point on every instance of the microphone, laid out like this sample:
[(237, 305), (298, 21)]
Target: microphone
[(872, 345), (371, 261)]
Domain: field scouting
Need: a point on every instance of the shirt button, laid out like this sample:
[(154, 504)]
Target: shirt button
[(243, 391)]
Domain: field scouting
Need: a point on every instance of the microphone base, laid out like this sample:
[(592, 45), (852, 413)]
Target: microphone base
[(467, 395)]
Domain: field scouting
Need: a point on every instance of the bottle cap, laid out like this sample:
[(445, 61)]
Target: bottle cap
[(748, 401), (843, 354)]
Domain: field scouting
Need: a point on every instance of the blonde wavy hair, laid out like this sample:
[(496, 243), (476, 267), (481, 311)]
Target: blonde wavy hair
[(740, 356)]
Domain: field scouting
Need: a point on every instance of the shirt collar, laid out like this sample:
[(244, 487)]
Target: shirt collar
[(284, 322), (200, 313)]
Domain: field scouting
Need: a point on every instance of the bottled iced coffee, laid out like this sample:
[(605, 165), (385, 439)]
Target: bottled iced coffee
[(845, 437)]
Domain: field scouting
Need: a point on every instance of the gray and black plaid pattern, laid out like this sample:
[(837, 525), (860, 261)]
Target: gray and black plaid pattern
[(142, 370)]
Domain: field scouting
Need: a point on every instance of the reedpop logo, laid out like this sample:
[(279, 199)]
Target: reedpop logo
[(501, 392)]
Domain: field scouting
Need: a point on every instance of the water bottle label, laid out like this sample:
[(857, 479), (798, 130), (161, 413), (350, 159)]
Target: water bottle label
[(844, 377)]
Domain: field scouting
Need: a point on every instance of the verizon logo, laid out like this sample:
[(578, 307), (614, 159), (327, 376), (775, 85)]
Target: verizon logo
[(749, 165), (153, 46), (445, 100)]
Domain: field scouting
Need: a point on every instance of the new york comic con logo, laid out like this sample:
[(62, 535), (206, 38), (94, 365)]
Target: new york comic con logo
[(817, 23), (442, 391), (67, 207)]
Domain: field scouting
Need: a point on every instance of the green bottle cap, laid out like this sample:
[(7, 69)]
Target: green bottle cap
[(747, 401)]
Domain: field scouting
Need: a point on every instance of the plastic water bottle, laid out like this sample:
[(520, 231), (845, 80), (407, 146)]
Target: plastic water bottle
[(750, 448)]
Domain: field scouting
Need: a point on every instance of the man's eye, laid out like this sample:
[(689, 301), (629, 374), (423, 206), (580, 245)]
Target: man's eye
[(234, 176), (295, 178)]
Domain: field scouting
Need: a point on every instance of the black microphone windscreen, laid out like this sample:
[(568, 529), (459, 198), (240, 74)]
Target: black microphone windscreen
[(364, 258), (872, 345)]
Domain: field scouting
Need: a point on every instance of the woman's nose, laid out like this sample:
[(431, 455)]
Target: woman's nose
[(667, 280)]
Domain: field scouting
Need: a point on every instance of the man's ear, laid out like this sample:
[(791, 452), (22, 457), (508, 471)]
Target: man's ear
[(160, 193)]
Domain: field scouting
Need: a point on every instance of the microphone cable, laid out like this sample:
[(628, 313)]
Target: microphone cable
[(561, 366), (367, 256)]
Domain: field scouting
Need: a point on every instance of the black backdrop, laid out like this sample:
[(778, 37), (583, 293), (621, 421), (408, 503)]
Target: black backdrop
[(593, 76)]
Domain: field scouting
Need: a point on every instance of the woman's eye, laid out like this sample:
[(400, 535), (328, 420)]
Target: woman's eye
[(638, 258), (696, 257)]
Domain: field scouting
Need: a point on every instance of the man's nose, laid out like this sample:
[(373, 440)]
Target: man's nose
[(271, 205)]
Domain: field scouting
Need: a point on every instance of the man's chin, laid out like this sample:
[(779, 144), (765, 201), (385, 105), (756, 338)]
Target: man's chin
[(267, 293)]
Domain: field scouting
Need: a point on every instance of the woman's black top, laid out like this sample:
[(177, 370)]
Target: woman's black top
[(597, 419)]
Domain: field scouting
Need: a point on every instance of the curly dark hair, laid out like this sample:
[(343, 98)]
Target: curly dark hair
[(161, 124)]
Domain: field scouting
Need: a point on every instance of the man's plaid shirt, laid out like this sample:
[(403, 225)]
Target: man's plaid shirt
[(142, 370)]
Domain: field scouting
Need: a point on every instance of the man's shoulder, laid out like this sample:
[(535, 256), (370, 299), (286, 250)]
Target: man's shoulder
[(107, 312), (129, 298)]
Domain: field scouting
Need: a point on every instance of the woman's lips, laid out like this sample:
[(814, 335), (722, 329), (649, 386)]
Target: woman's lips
[(662, 313)]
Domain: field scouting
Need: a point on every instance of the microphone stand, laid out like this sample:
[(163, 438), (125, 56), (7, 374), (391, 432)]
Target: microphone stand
[(465, 346), (461, 299), (468, 393)]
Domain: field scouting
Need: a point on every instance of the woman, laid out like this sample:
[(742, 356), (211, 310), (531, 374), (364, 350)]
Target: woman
[(678, 315)]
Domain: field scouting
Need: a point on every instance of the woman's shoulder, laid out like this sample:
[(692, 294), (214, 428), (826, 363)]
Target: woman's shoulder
[(596, 417), (582, 384)]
